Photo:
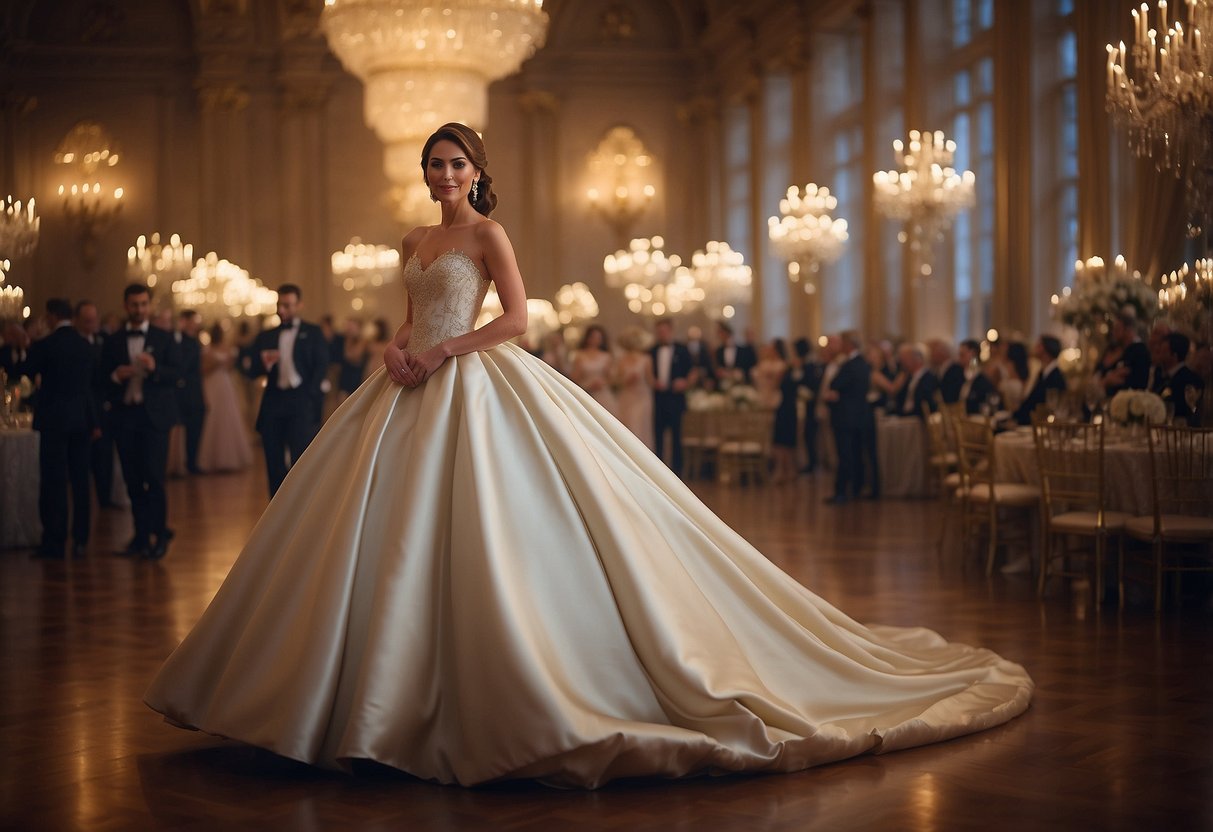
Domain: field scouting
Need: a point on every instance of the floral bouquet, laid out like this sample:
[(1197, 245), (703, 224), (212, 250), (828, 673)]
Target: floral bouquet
[(1099, 295), (1137, 407), (743, 397), (703, 400)]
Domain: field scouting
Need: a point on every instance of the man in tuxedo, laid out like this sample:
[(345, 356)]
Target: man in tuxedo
[(1132, 370), (978, 389), (850, 415), (672, 375), (190, 401), (918, 386), (951, 373), (87, 321), (701, 357), (1046, 351), (1178, 378), (143, 364), (64, 416), (733, 361), (294, 358), (810, 380)]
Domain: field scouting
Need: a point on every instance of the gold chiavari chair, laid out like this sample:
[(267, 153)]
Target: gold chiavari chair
[(1181, 472), (983, 500), (944, 463), (745, 446), (700, 441), (1070, 456)]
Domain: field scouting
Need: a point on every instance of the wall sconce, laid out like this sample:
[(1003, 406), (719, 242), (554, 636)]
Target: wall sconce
[(621, 180), (88, 151)]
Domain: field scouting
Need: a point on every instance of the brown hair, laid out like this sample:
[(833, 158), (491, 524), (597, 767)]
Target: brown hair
[(471, 144)]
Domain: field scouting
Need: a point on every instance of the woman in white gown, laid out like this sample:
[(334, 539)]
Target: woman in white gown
[(225, 443), (475, 573)]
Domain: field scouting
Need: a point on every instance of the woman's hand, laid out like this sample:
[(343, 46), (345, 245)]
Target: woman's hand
[(426, 364), (399, 365)]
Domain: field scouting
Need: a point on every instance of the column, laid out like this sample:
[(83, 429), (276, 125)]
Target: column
[(542, 198), (872, 312)]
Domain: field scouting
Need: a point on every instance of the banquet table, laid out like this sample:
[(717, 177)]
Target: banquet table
[(1127, 478), (902, 454), (19, 523)]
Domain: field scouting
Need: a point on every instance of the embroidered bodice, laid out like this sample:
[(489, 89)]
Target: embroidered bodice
[(446, 295)]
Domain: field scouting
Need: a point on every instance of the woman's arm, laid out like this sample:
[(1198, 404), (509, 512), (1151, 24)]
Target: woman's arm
[(398, 363)]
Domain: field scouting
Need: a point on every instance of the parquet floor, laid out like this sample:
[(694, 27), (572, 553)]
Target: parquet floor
[(1118, 737)]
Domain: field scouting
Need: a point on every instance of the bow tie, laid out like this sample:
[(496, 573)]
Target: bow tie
[(135, 333)]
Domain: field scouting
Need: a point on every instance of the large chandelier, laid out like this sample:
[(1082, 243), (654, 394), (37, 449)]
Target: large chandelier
[(219, 289), (654, 284), (425, 64), (925, 192), (1186, 298), (805, 234), (150, 261), (724, 278), (87, 151), (359, 267), (541, 316), (1168, 108), (19, 226), (621, 173), (575, 304)]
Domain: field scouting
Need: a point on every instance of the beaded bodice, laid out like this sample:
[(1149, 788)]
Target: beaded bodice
[(446, 297)]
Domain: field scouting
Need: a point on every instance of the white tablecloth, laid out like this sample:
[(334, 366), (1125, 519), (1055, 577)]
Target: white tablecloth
[(19, 523), (902, 454), (1127, 477)]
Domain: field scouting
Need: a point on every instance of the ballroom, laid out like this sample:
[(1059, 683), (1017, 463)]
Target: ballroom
[(822, 439)]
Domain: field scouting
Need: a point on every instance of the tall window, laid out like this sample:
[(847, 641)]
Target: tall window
[(737, 181), (776, 177)]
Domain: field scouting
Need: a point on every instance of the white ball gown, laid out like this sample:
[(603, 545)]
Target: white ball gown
[(489, 577)]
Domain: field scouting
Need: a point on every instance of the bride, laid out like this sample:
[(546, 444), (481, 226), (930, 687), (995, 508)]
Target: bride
[(475, 573)]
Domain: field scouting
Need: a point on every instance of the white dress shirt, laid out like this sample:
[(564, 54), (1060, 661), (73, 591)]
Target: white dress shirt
[(134, 347), (665, 363), (288, 376)]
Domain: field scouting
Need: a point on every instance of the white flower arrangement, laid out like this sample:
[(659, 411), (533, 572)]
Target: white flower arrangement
[(1099, 295), (743, 397), (703, 400), (1137, 407)]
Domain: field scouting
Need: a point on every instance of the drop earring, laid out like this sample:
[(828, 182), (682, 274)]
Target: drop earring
[(474, 191)]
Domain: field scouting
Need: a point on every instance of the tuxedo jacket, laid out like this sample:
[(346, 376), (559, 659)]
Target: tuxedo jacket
[(701, 360), (980, 390), (745, 359), (851, 382), (680, 367), (1137, 358), (189, 386), (63, 361), (1174, 389), (159, 386), (311, 357), (1038, 395), (925, 391), (952, 382)]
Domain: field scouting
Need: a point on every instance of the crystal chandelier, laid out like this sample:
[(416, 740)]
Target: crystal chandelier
[(359, 267), (12, 298), (19, 226), (1186, 298), (152, 261), (541, 316), (425, 64), (87, 151), (575, 304), (219, 289), (805, 234), (1168, 108), (653, 284), (724, 278), (620, 168), (926, 193)]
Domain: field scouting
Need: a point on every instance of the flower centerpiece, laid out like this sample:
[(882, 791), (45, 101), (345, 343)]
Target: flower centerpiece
[(743, 397), (705, 400), (1137, 407), (1099, 295)]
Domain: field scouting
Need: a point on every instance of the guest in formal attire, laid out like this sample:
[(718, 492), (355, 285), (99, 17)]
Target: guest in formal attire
[(768, 373), (733, 361), (1047, 350), (850, 414), (225, 443), (634, 377), (143, 365), (593, 368), (294, 357), (980, 393), (87, 321), (918, 384), (884, 377), (1181, 387), (14, 350), (949, 371), (831, 357), (783, 437), (701, 358), (553, 352), (1013, 383), (672, 375), (810, 384), (1156, 345), (65, 416), (353, 359), (1125, 364), (190, 401)]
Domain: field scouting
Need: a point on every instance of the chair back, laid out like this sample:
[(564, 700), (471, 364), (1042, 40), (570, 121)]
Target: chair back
[(1181, 467), (1070, 456), (698, 425), (749, 426), (975, 449), (937, 434)]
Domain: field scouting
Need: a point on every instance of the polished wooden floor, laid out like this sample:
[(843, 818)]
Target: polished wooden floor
[(1118, 737)]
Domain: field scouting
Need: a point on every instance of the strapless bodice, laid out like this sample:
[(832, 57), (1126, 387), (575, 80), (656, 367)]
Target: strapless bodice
[(446, 295)]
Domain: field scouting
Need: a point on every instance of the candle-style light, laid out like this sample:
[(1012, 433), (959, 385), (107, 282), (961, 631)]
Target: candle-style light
[(19, 227)]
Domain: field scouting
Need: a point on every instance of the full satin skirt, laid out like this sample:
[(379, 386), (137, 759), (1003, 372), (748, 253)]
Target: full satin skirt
[(489, 577)]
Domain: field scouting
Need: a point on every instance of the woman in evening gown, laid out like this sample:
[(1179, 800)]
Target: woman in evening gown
[(634, 375), (225, 442), (475, 573), (593, 368)]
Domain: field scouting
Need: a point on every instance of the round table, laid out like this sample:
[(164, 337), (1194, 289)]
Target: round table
[(902, 454), (1126, 477), (19, 477)]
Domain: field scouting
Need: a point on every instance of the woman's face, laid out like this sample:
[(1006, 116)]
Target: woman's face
[(449, 172), (593, 339)]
